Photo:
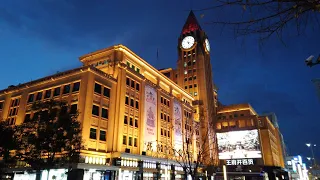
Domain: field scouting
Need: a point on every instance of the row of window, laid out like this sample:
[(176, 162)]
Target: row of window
[(56, 92), (164, 132), (125, 121), (13, 110), (132, 104), (189, 63), (131, 83), (96, 112), (187, 127), (165, 101), (190, 86), (133, 67), (190, 78), (187, 114), (100, 63), (99, 89), (102, 134), (189, 71), (230, 116), (128, 141), (165, 117)]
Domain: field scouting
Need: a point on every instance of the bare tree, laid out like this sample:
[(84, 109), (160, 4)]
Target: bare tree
[(268, 17)]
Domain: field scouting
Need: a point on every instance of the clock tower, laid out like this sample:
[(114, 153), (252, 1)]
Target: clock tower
[(194, 74)]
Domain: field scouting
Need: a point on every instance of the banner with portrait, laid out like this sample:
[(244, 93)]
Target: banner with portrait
[(150, 118), (177, 125)]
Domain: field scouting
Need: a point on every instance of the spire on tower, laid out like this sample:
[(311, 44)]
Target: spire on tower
[(191, 24)]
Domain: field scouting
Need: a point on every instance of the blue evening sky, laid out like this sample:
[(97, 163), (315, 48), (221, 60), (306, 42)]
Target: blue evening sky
[(40, 37)]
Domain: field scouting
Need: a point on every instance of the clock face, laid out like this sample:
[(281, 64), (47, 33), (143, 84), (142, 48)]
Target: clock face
[(207, 45), (187, 42)]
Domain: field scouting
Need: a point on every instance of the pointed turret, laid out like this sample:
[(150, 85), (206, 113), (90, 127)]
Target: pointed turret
[(191, 24)]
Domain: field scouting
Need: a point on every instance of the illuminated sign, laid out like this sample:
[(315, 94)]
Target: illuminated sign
[(239, 144), (239, 162)]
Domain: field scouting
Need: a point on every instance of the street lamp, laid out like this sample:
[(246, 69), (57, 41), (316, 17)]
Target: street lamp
[(311, 147)]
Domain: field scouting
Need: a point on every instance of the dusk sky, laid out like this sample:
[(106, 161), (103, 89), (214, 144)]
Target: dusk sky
[(40, 37)]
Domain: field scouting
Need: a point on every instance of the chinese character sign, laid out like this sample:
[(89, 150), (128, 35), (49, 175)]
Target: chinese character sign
[(239, 162), (239, 144), (177, 125), (150, 118)]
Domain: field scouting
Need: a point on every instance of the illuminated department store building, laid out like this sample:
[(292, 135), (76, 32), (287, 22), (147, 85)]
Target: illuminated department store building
[(249, 144), (132, 114)]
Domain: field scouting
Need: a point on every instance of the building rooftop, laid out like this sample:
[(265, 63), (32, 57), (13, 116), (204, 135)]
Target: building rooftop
[(236, 107)]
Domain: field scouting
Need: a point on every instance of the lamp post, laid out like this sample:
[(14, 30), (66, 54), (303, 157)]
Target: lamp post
[(311, 147)]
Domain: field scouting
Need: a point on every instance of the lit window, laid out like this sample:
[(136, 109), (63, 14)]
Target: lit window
[(195, 93), (185, 64), (185, 72)]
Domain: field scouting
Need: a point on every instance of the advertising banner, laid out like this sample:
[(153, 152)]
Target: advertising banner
[(239, 144), (150, 121), (177, 124)]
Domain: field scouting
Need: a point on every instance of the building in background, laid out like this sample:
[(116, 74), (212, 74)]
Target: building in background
[(249, 143), (297, 168)]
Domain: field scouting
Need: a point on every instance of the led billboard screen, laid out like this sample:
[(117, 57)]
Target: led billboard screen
[(239, 144)]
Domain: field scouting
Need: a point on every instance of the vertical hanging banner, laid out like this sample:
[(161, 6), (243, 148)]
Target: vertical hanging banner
[(177, 124), (150, 118)]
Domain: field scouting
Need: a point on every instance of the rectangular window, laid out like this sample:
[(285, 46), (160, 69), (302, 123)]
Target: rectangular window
[(127, 100), (195, 93), (124, 140), (137, 86), (93, 133), (168, 133), (138, 70), (135, 143), (102, 135), (106, 92), (168, 118), (105, 113), (125, 120), (128, 82), (136, 123), (66, 89), (194, 77), (39, 96), (47, 94), (97, 88), (137, 104), (56, 91), (95, 110), (195, 85), (131, 102), (168, 103), (130, 141), (1, 105), (30, 98), (161, 100), (161, 132), (73, 108), (76, 87), (132, 84), (186, 87), (131, 121)]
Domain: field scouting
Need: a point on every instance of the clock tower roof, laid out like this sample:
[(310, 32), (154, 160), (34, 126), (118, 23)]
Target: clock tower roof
[(191, 24)]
